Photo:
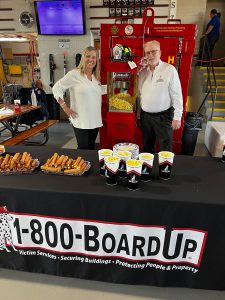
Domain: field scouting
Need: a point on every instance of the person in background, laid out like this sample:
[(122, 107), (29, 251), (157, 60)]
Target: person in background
[(41, 99), (160, 100), (212, 33), (85, 98)]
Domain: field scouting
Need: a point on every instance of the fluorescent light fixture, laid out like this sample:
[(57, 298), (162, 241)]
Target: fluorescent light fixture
[(13, 39)]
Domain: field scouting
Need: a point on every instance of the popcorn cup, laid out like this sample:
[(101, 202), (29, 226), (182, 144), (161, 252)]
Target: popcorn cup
[(147, 163), (111, 169), (165, 164), (133, 174), (101, 155), (123, 156)]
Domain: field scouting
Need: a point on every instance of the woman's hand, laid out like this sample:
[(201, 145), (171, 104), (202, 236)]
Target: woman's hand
[(69, 111)]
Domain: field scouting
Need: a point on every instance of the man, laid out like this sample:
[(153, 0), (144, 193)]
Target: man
[(212, 33), (41, 99), (161, 100)]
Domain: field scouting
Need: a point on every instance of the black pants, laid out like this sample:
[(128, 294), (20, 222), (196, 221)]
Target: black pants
[(44, 109), (86, 138), (158, 127), (209, 46)]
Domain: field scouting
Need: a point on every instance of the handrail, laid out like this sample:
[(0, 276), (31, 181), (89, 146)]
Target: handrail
[(206, 57)]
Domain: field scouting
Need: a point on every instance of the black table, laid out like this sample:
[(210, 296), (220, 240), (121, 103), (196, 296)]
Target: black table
[(169, 233)]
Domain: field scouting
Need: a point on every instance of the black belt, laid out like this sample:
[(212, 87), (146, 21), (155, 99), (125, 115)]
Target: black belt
[(164, 112)]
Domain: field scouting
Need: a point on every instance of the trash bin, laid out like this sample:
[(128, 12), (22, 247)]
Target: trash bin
[(192, 125)]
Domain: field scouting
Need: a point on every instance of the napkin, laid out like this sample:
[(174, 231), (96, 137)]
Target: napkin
[(6, 111)]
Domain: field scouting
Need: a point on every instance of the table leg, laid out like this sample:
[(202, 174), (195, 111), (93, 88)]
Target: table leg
[(10, 127)]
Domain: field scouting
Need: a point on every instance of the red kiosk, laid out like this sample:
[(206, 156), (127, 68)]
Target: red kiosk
[(177, 45)]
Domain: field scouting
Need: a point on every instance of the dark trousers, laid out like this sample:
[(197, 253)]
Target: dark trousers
[(157, 126), (86, 138), (44, 109), (209, 45)]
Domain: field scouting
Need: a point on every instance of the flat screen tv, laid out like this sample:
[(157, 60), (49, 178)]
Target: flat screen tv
[(60, 17)]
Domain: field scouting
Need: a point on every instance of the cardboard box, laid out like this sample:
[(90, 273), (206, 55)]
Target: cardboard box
[(7, 53), (15, 70)]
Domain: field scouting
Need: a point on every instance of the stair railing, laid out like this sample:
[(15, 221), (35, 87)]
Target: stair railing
[(211, 84)]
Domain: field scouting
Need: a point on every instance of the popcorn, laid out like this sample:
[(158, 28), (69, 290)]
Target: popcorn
[(146, 156), (166, 154), (106, 152), (126, 148), (121, 101), (134, 163), (123, 153), (112, 159)]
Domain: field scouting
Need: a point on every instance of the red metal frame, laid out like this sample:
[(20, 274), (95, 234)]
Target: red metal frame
[(177, 45)]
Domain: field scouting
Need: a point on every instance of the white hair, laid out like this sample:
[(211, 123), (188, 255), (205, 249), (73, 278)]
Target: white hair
[(154, 42)]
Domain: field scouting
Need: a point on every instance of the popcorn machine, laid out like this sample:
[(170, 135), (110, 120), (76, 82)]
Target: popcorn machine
[(121, 57)]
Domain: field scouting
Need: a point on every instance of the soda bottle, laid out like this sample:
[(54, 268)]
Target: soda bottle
[(16, 107), (223, 155), (33, 98)]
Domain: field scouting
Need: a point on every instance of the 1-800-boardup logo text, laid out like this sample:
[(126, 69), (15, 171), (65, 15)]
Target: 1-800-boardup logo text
[(94, 238)]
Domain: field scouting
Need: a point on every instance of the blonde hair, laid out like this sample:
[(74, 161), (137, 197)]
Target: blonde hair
[(81, 66), (154, 42)]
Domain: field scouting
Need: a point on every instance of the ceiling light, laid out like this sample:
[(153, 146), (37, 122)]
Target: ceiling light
[(13, 39)]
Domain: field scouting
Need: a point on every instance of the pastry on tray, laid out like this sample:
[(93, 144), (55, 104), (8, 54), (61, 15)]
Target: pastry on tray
[(63, 164), (17, 163)]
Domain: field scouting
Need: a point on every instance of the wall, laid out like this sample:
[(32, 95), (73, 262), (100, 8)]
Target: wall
[(21, 57), (192, 12), (46, 44), (17, 6), (104, 12), (49, 44), (219, 50)]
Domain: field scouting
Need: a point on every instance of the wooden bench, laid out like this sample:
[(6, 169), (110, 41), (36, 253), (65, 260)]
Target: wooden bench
[(26, 134)]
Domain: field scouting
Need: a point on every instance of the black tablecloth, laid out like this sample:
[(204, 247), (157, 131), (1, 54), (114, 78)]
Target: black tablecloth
[(191, 205)]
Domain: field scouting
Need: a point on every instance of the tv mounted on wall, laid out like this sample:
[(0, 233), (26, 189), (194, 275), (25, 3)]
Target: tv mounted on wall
[(60, 17)]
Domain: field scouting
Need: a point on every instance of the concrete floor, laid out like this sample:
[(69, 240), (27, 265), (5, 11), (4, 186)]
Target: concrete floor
[(17, 285), (62, 135)]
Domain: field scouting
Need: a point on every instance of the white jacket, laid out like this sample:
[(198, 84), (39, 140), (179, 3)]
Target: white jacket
[(160, 90), (85, 98)]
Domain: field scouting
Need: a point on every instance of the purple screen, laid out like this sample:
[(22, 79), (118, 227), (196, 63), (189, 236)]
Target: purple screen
[(60, 17)]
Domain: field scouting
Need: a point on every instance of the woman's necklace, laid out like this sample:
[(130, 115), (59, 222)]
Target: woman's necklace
[(89, 76)]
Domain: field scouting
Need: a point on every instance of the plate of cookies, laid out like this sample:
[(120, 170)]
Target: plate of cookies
[(65, 165), (18, 163)]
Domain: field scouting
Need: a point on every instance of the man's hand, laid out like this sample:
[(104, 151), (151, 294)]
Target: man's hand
[(176, 124), (139, 123)]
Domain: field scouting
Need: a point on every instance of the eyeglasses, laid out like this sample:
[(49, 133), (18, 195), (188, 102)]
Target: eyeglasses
[(153, 52)]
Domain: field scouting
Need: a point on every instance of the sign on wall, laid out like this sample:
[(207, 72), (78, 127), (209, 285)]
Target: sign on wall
[(173, 9), (64, 43)]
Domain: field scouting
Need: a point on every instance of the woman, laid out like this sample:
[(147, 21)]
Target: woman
[(85, 98)]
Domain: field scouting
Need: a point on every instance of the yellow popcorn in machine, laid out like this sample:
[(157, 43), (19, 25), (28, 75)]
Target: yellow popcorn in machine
[(121, 92), (117, 103), (121, 105)]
